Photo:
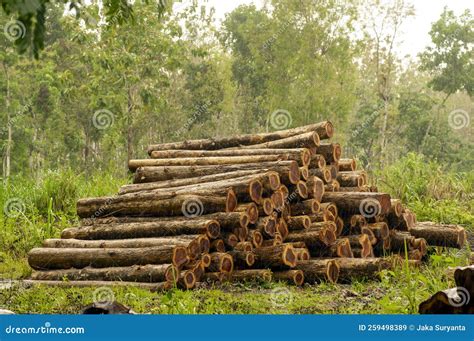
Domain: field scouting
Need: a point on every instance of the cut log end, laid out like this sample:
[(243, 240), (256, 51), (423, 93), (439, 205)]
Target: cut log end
[(289, 256), (180, 256), (332, 271)]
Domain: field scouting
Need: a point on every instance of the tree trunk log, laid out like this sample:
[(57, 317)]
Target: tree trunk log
[(158, 228), (275, 256), (444, 302), (251, 275), (323, 129), (330, 151), (347, 165), (440, 234), (319, 270), (135, 273), (243, 259), (295, 277), (360, 203), (153, 287), (357, 268), (47, 258), (221, 262), (315, 188), (306, 140)]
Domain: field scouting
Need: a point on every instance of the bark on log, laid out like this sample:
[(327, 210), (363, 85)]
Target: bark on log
[(47, 258), (347, 165), (286, 170), (251, 275), (243, 259), (135, 273), (301, 155), (203, 161), (333, 186), (153, 287), (295, 277), (357, 268), (324, 130), (315, 188), (158, 228), (306, 207), (275, 256), (244, 246), (361, 246), (217, 245), (329, 207), (350, 179), (306, 140), (316, 240), (158, 207), (319, 270), (256, 238), (299, 222), (400, 241), (359, 202), (317, 160), (322, 173), (440, 234), (330, 151), (251, 209), (221, 262)]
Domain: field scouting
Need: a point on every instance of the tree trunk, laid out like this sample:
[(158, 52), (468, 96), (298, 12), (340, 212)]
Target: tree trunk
[(440, 234), (153, 287), (153, 229), (204, 161), (358, 268), (359, 203), (306, 207), (330, 151), (243, 259), (347, 165), (319, 270), (315, 188), (192, 205), (221, 262), (286, 169), (251, 275), (46, 258), (275, 256), (324, 129), (134, 273), (306, 140), (298, 222), (295, 277)]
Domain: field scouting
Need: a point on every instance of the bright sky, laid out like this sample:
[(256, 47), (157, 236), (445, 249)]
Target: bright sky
[(414, 35)]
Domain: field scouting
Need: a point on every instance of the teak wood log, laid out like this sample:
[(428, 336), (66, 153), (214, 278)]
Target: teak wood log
[(251, 275), (135, 273), (359, 202), (275, 256), (158, 228), (315, 188), (153, 287), (251, 209), (217, 245), (323, 174), (350, 268), (301, 155), (361, 246), (316, 240), (242, 258), (317, 161), (401, 241), (306, 140), (298, 222), (149, 186), (204, 161), (440, 234), (350, 179), (48, 258), (306, 207), (464, 277), (158, 207), (286, 169), (221, 262), (330, 151), (323, 129), (319, 270), (295, 277), (347, 165)]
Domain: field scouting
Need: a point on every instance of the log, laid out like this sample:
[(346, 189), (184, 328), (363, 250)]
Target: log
[(149, 186), (282, 228), (350, 179), (275, 256), (229, 221), (306, 207), (135, 273), (347, 165), (157, 228), (322, 173), (295, 277), (304, 173), (330, 151), (251, 209), (440, 234), (445, 302), (361, 268), (323, 129), (367, 204), (302, 253), (256, 238), (317, 161), (329, 207), (47, 258), (300, 189), (364, 188), (400, 241), (221, 262), (298, 222), (267, 226), (339, 248), (190, 204), (187, 279), (217, 245), (203, 161), (306, 140), (333, 186), (361, 246), (380, 230), (315, 188), (230, 239), (316, 240), (251, 275), (153, 287), (319, 270), (286, 170), (244, 246), (301, 155), (243, 258)]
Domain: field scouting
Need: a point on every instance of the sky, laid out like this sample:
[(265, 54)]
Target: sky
[(414, 37)]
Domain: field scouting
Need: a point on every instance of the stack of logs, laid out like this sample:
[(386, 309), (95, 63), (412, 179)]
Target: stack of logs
[(281, 205)]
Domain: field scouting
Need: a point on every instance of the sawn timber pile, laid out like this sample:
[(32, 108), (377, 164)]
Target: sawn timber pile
[(281, 205)]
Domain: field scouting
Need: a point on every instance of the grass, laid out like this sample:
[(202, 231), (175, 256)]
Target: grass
[(37, 209)]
